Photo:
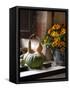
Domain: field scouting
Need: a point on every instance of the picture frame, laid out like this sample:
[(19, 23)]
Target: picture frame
[(22, 25)]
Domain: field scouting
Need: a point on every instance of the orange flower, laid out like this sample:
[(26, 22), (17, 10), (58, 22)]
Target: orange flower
[(63, 31), (49, 31), (54, 44), (63, 43), (57, 39), (59, 44), (56, 26)]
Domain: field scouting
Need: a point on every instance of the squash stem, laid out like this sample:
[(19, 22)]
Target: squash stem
[(39, 49)]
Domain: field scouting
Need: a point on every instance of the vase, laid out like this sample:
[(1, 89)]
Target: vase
[(59, 57)]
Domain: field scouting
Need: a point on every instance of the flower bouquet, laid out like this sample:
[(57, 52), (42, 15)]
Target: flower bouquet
[(55, 39)]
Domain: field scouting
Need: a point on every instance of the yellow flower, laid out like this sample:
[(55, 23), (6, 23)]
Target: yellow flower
[(54, 34)]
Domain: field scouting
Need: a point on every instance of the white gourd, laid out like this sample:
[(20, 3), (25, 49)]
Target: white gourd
[(34, 59)]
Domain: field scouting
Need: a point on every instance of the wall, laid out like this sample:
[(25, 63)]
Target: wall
[(59, 17), (44, 21)]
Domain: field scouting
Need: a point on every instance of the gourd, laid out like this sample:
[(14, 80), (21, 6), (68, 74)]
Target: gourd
[(34, 59), (22, 62)]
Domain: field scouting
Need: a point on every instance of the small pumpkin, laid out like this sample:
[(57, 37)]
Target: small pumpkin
[(34, 59), (22, 62)]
